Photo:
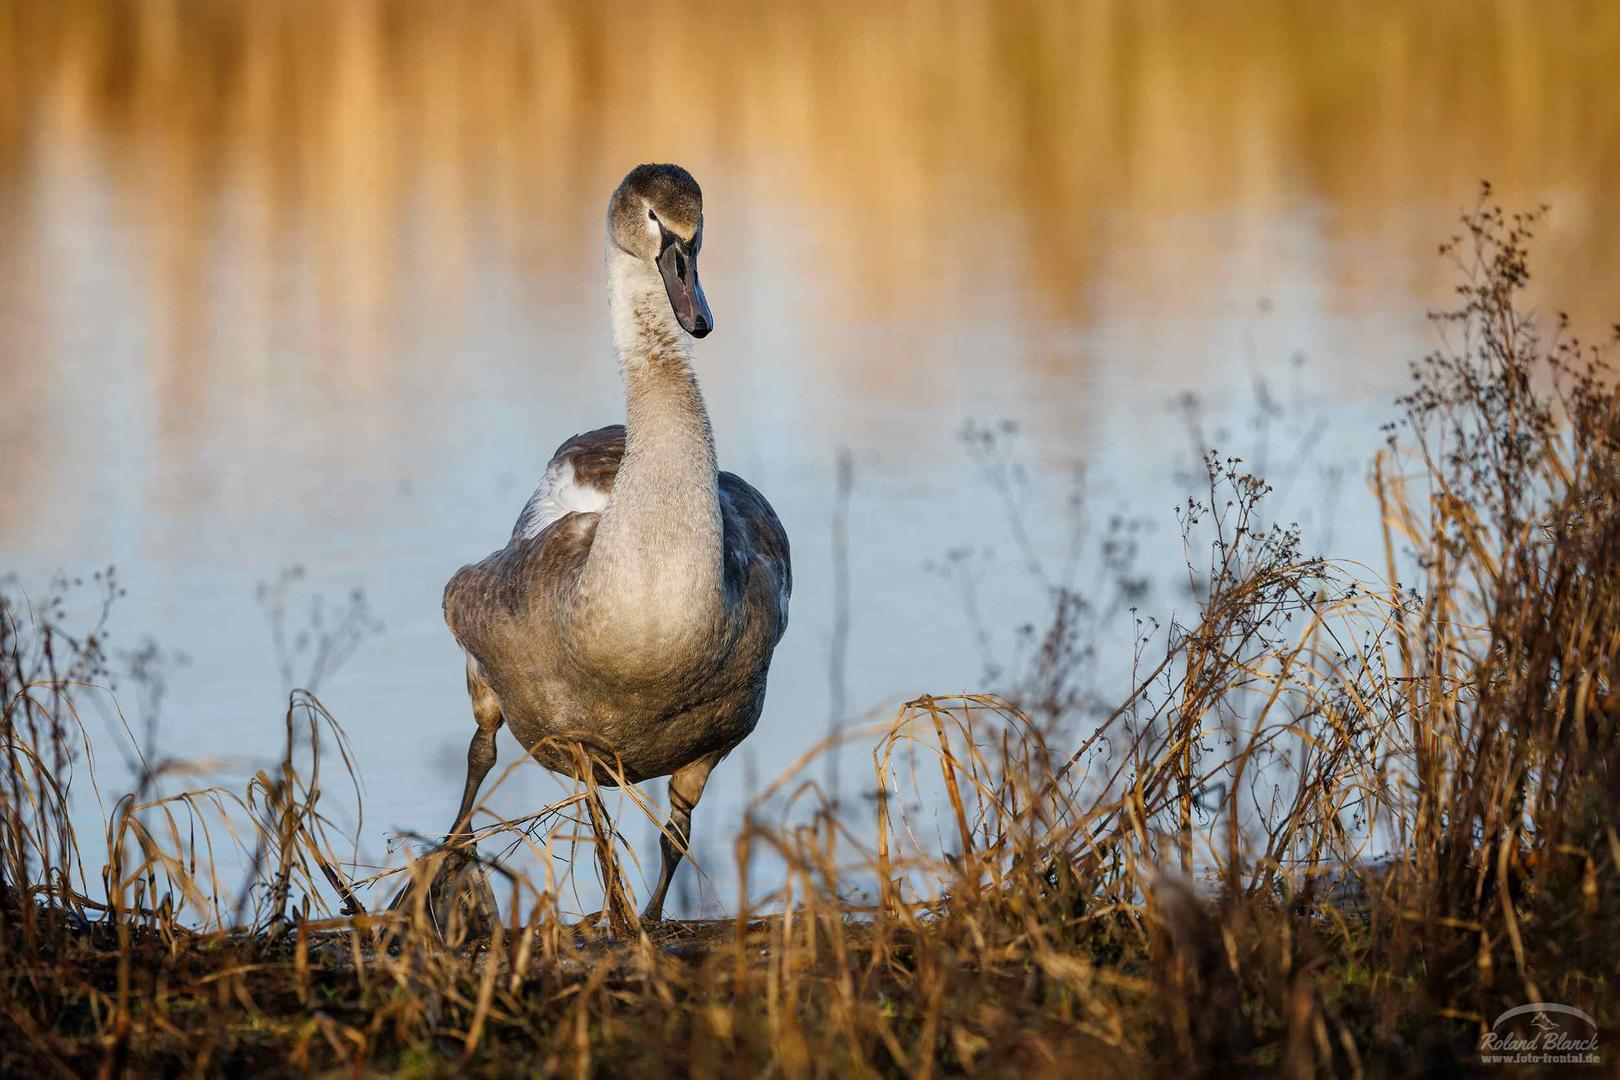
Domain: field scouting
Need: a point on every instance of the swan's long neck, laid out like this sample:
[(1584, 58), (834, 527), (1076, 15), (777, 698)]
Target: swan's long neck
[(656, 559)]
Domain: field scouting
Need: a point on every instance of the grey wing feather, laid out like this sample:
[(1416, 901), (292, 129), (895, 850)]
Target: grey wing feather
[(482, 599), (578, 479), (755, 537)]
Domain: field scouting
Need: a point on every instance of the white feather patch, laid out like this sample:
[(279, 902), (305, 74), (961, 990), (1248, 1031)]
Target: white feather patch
[(560, 493)]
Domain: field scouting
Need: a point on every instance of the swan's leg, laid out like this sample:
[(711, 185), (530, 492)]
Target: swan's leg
[(481, 751), (455, 891), (685, 789)]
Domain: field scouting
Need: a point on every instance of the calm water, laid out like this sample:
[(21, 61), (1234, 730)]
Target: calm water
[(283, 285)]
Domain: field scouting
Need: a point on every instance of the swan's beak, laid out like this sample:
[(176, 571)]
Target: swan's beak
[(679, 267)]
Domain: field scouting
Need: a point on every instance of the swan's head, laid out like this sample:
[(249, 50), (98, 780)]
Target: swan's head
[(656, 215)]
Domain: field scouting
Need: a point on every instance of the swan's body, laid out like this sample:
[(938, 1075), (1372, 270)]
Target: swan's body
[(635, 609), (658, 665)]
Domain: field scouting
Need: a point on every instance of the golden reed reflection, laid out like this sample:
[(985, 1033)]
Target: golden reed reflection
[(916, 148), (890, 121)]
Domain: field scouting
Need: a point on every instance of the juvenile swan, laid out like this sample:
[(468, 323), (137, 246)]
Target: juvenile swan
[(636, 606)]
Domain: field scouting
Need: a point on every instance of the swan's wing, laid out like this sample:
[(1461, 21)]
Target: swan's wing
[(577, 481), (755, 542), (484, 603)]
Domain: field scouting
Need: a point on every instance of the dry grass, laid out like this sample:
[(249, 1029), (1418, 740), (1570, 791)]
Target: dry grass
[(1337, 825)]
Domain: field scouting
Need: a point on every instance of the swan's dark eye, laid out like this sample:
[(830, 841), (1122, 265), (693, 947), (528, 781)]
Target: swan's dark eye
[(651, 216)]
